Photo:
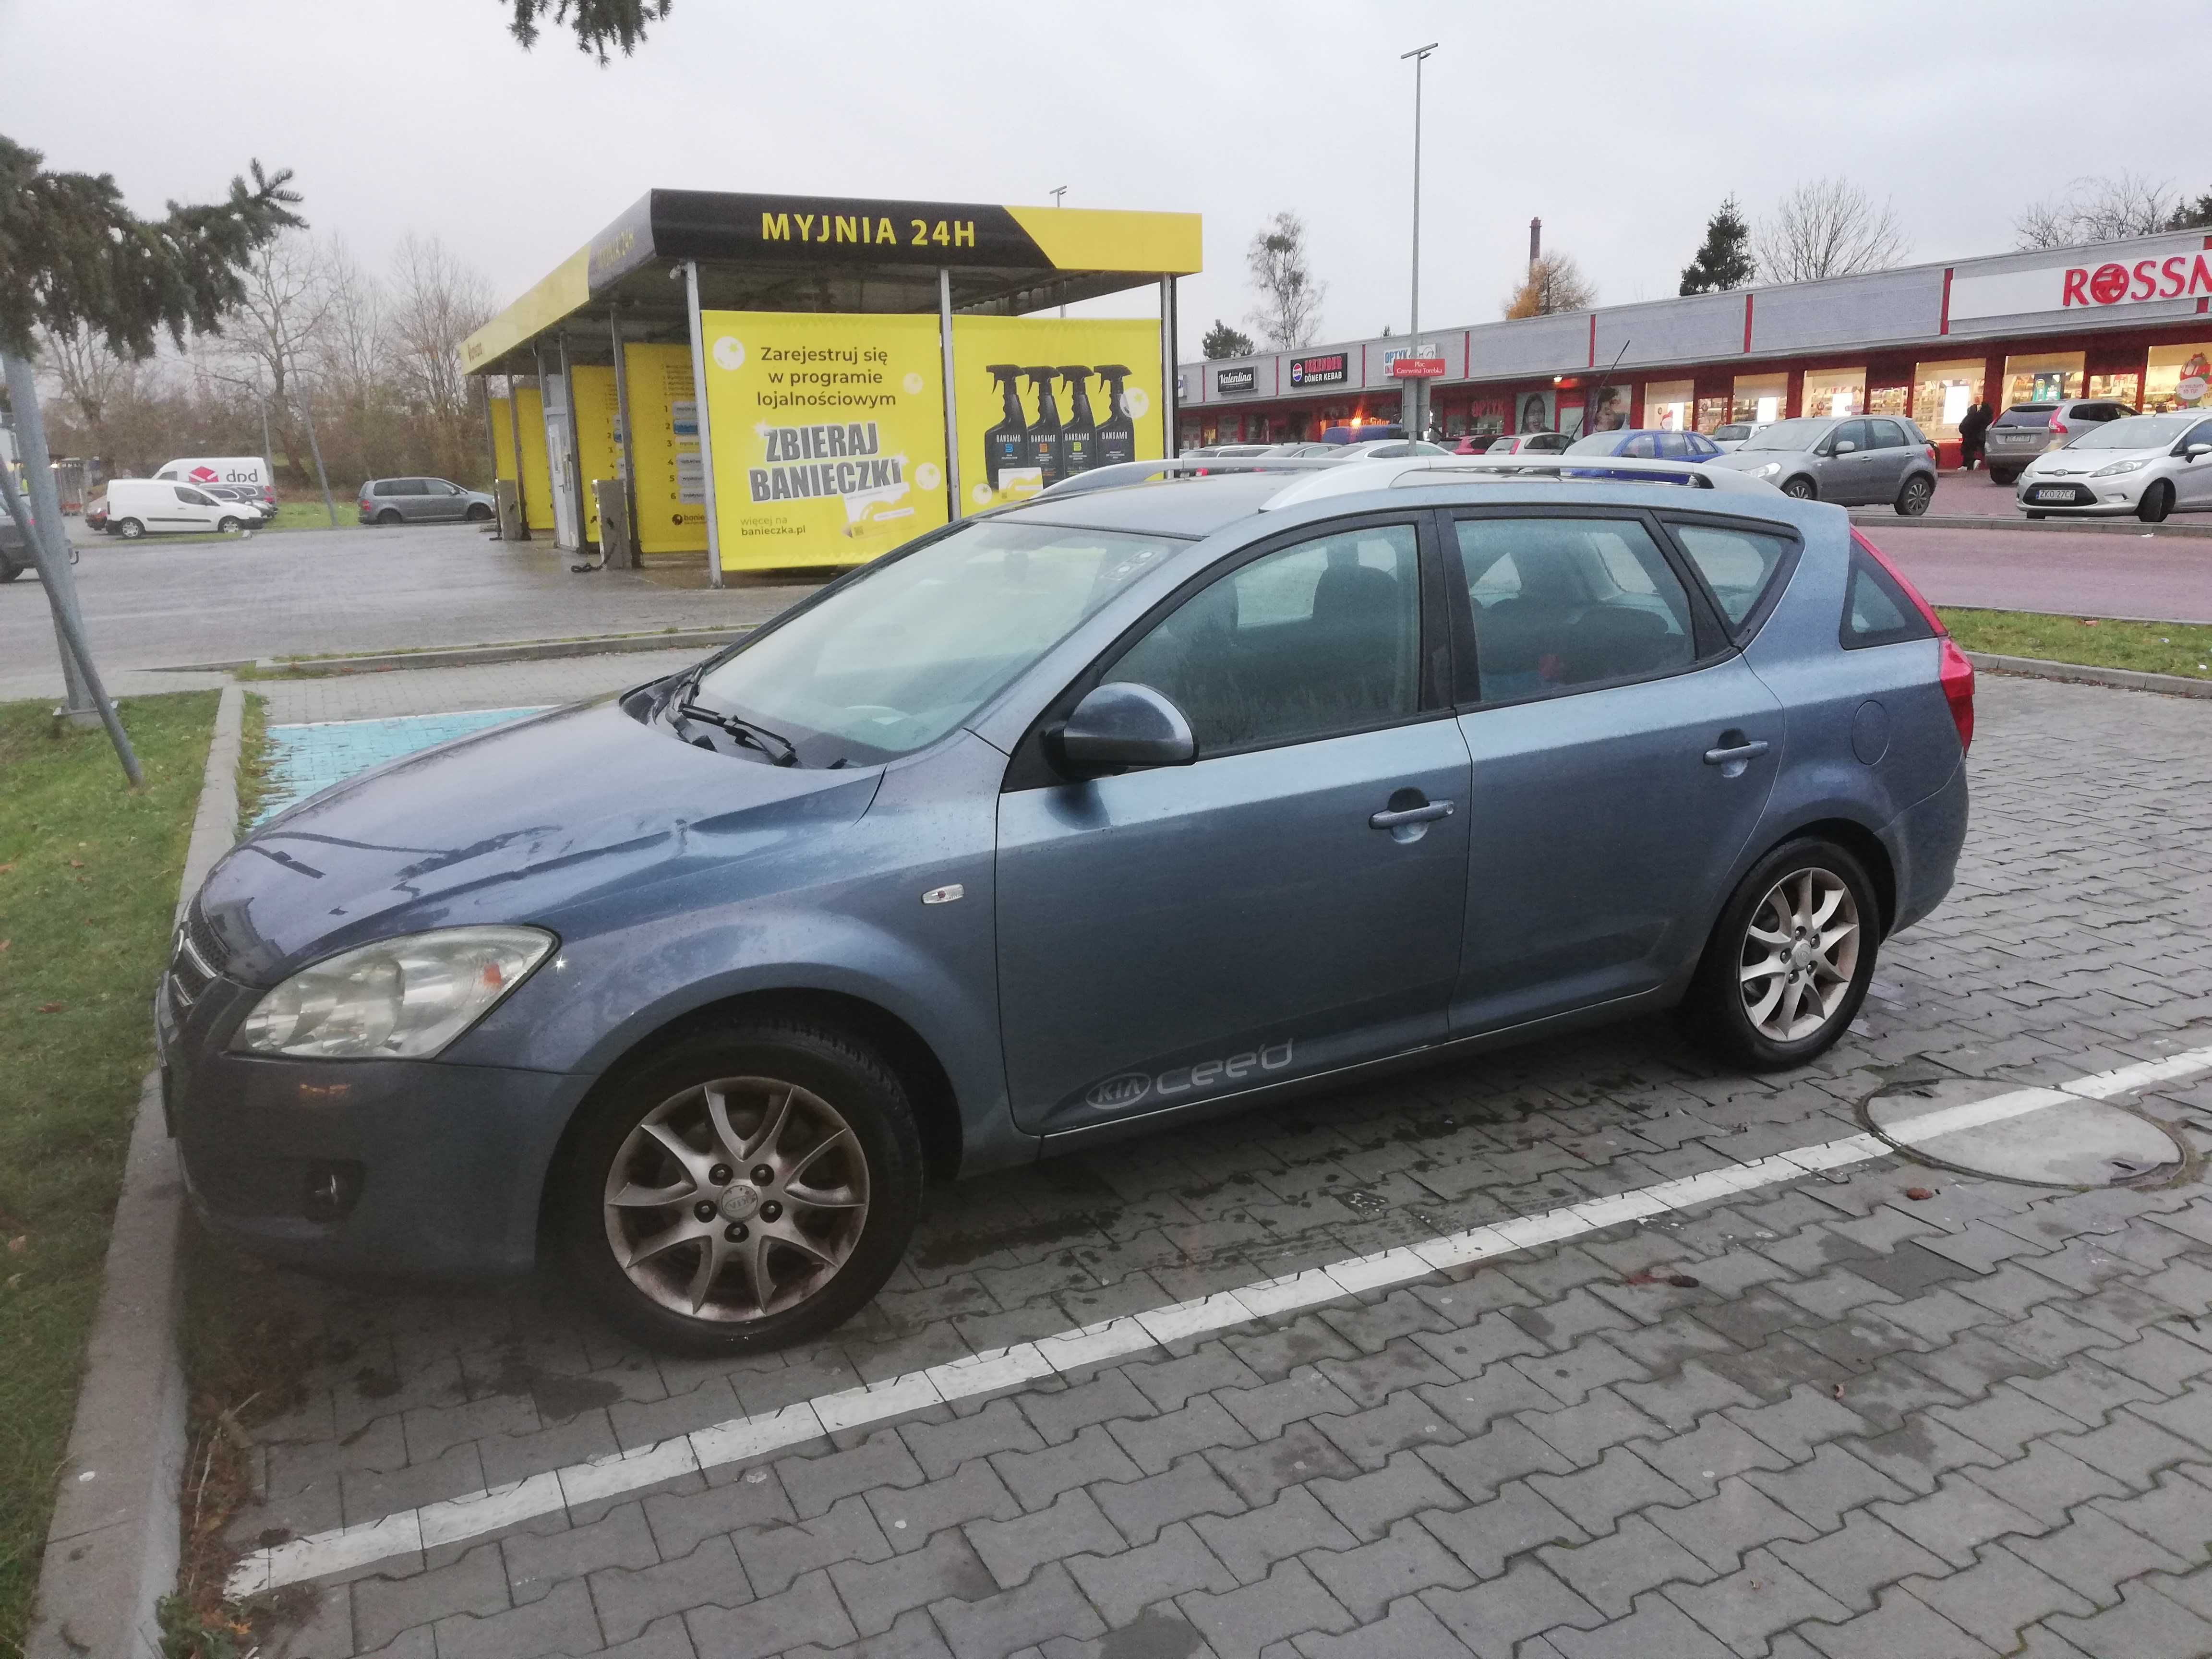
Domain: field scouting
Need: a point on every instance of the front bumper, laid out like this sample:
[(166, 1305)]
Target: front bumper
[(411, 1167), (2087, 497)]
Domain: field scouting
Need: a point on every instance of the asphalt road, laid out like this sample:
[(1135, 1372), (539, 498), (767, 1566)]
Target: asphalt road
[(2161, 578)]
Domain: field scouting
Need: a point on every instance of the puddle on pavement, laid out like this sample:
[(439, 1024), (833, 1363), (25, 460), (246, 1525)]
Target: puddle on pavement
[(2073, 1143)]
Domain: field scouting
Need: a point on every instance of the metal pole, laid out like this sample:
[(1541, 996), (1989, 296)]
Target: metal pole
[(491, 437), (1416, 389), (576, 444), (1171, 411), (622, 439), (706, 428), (78, 706), (74, 650), (314, 446), (268, 451), (514, 432), (1058, 191), (952, 397)]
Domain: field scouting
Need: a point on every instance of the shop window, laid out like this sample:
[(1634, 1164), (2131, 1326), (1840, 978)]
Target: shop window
[(2043, 380), (2179, 377), (1758, 397), (1712, 414), (1834, 392), (1667, 404), (1943, 392), (2119, 388), (1890, 400)]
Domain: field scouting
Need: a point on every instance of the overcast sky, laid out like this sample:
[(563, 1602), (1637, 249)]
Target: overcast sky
[(1623, 127)]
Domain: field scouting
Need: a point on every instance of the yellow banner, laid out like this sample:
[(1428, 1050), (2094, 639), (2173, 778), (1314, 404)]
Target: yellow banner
[(1045, 398), (828, 434), (671, 487)]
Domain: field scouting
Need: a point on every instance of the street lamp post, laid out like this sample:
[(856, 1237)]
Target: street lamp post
[(1415, 395)]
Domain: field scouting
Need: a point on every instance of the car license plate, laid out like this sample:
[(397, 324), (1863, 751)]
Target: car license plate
[(2052, 495)]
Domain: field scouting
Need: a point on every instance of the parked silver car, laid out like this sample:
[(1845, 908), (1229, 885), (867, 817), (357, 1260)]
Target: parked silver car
[(2146, 464), (422, 500), (2025, 430), (1854, 460)]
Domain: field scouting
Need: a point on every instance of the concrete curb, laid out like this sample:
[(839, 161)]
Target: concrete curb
[(2124, 679), (1883, 516), (469, 656), (112, 1549)]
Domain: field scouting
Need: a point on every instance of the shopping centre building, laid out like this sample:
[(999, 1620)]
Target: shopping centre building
[(2125, 320)]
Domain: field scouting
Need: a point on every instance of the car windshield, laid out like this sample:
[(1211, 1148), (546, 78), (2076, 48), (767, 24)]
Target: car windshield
[(2136, 432), (910, 648), (1789, 434)]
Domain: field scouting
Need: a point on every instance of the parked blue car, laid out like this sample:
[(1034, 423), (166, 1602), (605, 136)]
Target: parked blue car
[(1083, 819), (1634, 443)]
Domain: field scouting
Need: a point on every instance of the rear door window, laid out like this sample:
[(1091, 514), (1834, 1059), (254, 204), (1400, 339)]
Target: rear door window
[(1737, 564), (1875, 609), (1888, 435), (1563, 604)]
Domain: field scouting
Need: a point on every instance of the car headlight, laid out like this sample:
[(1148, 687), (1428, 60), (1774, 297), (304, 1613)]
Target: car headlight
[(2119, 467), (398, 999), (1768, 470)]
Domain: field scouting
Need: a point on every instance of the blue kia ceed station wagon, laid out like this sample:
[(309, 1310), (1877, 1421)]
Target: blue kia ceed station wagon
[(1074, 821)]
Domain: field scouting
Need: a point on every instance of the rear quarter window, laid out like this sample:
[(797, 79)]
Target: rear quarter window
[(1877, 610), (1738, 565)]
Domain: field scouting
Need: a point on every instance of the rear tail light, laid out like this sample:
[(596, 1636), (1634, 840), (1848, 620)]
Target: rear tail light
[(2057, 425), (1956, 674)]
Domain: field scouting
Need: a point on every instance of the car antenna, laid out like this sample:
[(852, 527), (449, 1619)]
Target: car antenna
[(1606, 385)]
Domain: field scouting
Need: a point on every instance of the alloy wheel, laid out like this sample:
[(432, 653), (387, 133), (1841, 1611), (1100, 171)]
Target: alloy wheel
[(1800, 953), (738, 1198)]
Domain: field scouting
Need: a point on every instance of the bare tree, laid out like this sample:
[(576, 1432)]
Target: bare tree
[(1289, 312), (2103, 210), (92, 377), (1828, 228), (274, 326), (1554, 282), (438, 300)]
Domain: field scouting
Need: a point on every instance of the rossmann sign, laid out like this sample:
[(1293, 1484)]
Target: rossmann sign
[(2171, 267)]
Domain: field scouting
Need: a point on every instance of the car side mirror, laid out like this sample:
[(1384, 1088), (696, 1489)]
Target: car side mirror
[(2197, 452), (1845, 446), (1121, 726)]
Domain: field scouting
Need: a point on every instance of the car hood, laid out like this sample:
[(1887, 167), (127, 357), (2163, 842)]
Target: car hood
[(2066, 463), (525, 823), (1750, 460)]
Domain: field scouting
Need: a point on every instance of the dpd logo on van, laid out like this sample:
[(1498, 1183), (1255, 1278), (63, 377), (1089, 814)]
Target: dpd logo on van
[(203, 475)]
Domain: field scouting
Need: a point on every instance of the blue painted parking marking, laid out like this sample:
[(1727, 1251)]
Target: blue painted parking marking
[(303, 759)]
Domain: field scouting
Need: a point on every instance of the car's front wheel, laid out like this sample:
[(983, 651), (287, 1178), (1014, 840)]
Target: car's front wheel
[(1799, 489), (2157, 501), (2006, 476), (1913, 499), (229, 528), (1788, 963), (477, 513), (742, 1189)]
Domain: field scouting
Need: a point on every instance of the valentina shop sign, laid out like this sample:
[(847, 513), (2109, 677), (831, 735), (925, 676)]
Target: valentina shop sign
[(2172, 268)]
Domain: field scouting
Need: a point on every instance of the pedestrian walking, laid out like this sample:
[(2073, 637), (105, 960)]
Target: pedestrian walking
[(1973, 426)]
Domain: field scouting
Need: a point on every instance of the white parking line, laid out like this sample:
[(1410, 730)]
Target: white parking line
[(476, 1514)]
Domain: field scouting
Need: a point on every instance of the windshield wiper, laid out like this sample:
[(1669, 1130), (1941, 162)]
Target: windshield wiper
[(778, 748)]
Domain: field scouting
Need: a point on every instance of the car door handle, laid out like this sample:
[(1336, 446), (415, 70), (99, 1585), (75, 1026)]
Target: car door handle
[(1742, 751), (1428, 814)]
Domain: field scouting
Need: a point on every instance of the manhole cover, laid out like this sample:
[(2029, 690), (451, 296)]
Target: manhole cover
[(2066, 1143)]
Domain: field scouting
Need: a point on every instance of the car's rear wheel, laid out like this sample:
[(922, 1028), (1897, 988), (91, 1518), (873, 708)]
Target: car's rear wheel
[(1788, 961), (131, 530), (2006, 476), (742, 1189), (1913, 499), (388, 517), (1801, 488), (2157, 501)]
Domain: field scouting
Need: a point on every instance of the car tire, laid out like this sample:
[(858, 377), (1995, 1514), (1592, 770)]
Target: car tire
[(701, 1294), (477, 513), (2005, 475), (10, 572), (1801, 489), (386, 519), (1913, 499), (229, 528), (131, 530), (1757, 1019), (2034, 515), (2157, 501)]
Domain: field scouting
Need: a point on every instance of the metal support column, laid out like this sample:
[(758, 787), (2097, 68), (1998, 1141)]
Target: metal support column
[(514, 432), (951, 396), (577, 482), (706, 429), (491, 437), (622, 438), (1170, 411)]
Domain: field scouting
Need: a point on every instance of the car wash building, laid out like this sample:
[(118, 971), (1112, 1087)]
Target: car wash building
[(2126, 321), (781, 382)]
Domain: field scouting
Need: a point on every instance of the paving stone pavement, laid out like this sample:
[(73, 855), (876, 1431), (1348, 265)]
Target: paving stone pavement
[(1822, 1420)]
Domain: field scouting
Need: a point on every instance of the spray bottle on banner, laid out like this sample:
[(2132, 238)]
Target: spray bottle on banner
[(1044, 431), (1117, 433), (1078, 438), (1007, 443)]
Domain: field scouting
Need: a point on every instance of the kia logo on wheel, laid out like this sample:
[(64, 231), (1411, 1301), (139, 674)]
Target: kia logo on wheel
[(1124, 1090)]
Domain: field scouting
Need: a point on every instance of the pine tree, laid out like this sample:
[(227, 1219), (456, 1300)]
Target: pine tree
[(598, 24), (1725, 261), (1223, 341), (2193, 216)]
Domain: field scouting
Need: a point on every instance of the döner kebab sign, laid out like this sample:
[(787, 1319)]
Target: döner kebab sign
[(2173, 268)]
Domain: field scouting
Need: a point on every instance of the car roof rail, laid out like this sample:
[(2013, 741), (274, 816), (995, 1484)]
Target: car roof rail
[(1413, 471), (1122, 473)]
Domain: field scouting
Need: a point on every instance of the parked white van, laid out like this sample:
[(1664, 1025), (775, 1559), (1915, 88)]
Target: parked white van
[(143, 506), (239, 471)]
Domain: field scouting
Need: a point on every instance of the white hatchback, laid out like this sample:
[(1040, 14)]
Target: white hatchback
[(2146, 464)]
